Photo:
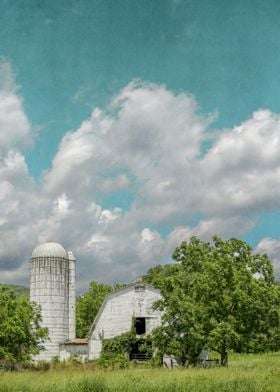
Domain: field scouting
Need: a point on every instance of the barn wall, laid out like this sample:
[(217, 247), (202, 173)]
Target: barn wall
[(66, 351), (117, 315)]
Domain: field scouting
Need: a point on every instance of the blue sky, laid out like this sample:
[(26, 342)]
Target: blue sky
[(76, 72)]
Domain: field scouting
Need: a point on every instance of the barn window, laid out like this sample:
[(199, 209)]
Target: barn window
[(139, 288), (140, 325)]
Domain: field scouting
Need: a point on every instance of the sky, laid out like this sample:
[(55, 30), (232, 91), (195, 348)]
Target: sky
[(129, 126)]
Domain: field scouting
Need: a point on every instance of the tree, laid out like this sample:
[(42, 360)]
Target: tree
[(20, 332), (221, 296), (157, 275), (88, 306)]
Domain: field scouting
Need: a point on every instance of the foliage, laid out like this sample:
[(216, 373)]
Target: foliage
[(115, 351), (20, 332), (88, 305), (18, 290), (113, 361), (120, 344), (42, 366), (221, 296), (157, 276)]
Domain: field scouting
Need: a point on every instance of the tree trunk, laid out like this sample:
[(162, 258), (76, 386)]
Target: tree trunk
[(224, 358)]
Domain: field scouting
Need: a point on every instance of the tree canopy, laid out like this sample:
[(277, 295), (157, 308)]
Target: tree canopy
[(88, 304), (20, 332), (221, 296)]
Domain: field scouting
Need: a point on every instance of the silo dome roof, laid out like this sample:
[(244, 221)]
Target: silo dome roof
[(50, 249)]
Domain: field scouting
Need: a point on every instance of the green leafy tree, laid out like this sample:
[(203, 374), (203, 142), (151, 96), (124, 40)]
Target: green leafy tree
[(20, 332), (158, 275), (18, 290), (88, 306), (221, 296), (120, 344)]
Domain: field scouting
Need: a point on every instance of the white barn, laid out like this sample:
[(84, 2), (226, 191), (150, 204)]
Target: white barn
[(121, 309), (52, 286)]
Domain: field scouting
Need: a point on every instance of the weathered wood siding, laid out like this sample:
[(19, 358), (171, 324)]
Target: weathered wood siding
[(117, 313)]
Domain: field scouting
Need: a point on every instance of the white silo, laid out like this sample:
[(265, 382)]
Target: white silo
[(50, 274), (72, 297)]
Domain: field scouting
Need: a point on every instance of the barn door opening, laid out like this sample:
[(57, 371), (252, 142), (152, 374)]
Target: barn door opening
[(140, 325), (136, 353)]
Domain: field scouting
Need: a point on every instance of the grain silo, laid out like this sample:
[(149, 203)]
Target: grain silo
[(72, 297), (52, 286)]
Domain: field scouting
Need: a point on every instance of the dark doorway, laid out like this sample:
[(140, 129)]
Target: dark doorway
[(137, 354), (140, 325)]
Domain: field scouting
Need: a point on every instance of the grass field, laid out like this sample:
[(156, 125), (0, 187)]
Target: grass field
[(246, 373)]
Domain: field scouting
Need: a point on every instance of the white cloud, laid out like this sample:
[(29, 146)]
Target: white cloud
[(147, 142), (147, 132), (97, 239), (108, 216), (242, 170), (271, 246), (148, 235), (228, 226), (17, 275), (113, 184), (15, 128), (62, 205)]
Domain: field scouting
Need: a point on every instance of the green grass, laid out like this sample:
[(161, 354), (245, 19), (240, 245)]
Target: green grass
[(246, 373)]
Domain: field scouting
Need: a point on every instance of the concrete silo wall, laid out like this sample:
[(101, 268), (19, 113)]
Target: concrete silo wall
[(49, 287), (72, 297)]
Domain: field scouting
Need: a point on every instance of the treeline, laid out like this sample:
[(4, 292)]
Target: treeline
[(18, 290), (220, 296)]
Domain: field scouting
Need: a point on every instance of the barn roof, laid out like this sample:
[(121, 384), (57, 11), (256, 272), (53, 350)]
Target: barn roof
[(115, 293)]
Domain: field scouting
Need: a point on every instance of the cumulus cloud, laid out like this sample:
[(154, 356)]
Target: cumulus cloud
[(19, 196), (271, 246), (242, 171), (147, 141), (149, 136), (15, 128)]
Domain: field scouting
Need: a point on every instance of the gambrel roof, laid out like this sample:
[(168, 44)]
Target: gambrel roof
[(116, 293)]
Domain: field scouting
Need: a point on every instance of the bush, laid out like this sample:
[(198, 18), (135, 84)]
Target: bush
[(74, 360), (118, 345), (113, 361), (43, 365)]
